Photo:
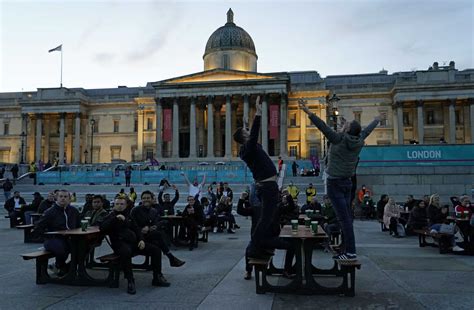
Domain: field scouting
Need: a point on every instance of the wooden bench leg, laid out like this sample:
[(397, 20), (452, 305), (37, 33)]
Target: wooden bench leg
[(259, 277), (41, 270)]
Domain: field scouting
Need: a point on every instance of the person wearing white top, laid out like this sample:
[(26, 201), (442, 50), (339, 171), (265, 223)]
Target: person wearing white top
[(195, 188)]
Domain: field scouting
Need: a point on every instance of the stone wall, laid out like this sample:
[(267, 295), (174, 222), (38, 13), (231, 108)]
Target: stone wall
[(399, 182)]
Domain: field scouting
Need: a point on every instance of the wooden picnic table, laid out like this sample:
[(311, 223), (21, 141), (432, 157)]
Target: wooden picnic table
[(466, 232), (175, 221), (80, 242)]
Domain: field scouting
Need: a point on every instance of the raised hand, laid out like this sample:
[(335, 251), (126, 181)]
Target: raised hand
[(141, 245), (258, 107)]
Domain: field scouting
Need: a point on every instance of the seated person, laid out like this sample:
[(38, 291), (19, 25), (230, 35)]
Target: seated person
[(148, 220), (391, 217), (47, 203), (224, 214), (127, 240), (418, 217), (14, 207), (193, 218), (32, 208), (313, 205), (61, 216), (331, 224), (464, 210), (210, 217), (410, 203), (381, 206), (167, 203), (98, 213), (367, 206), (288, 210)]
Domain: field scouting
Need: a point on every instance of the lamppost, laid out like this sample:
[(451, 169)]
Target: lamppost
[(85, 156), (23, 136), (92, 137), (333, 103), (141, 107)]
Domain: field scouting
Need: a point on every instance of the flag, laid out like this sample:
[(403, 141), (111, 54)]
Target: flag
[(59, 49), (167, 125)]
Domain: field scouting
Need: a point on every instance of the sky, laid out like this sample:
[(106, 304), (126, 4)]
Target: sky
[(112, 43)]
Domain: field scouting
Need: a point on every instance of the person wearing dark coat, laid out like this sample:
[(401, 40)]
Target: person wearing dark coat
[(128, 240), (148, 220), (165, 202), (381, 206), (33, 207), (193, 219), (61, 216), (15, 206), (47, 203), (418, 218)]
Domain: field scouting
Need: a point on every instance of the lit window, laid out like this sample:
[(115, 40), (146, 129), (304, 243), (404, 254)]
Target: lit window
[(292, 119), (294, 150)]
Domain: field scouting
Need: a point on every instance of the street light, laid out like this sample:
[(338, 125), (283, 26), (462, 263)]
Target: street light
[(92, 137), (23, 136), (141, 107), (333, 101)]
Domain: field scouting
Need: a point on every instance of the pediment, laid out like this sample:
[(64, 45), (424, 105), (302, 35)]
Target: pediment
[(217, 76)]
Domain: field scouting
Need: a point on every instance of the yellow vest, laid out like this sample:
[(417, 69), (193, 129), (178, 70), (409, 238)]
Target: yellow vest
[(310, 193), (294, 191)]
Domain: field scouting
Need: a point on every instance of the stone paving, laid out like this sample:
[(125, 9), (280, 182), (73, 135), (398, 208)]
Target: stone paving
[(396, 274)]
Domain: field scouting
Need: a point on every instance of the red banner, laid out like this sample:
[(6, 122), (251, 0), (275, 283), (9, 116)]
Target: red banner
[(274, 121), (167, 125)]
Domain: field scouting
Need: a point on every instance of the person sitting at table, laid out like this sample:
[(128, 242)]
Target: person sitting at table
[(47, 203), (210, 217), (148, 220), (391, 217), (410, 203), (331, 224), (98, 213), (464, 211), (287, 208), (224, 214), (418, 218), (61, 216), (14, 207), (436, 213), (165, 202), (313, 205), (87, 205), (32, 207), (193, 218), (127, 240)]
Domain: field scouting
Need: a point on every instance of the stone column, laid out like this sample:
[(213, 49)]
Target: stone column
[(24, 135), (62, 117), (210, 127), (158, 130), (246, 110), (201, 128), (265, 123), (452, 120), (77, 139), (228, 126), (175, 150), (421, 121), (217, 118), (303, 117), (283, 126), (39, 125), (471, 116), (140, 116), (46, 143), (192, 128), (400, 130)]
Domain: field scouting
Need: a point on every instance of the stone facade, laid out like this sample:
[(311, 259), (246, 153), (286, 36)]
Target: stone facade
[(197, 113)]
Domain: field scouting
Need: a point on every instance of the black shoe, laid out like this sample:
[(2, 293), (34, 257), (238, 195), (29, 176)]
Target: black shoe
[(176, 262), (160, 281), (248, 275), (236, 226), (230, 231), (131, 287)]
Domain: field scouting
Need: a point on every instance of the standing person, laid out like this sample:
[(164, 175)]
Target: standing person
[(294, 168), (195, 188), (32, 170), (61, 216), (7, 187), (342, 160), (280, 164), (310, 193), (132, 195), (265, 238), (128, 176), (14, 170)]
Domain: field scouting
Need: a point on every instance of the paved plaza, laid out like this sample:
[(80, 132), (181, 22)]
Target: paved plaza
[(395, 274)]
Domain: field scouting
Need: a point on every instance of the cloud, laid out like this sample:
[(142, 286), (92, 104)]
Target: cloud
[(104, 58)]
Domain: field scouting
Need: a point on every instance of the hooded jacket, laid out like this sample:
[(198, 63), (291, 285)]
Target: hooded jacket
[(344, 149)]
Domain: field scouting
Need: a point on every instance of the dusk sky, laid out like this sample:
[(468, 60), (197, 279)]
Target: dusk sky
[(112, 43)]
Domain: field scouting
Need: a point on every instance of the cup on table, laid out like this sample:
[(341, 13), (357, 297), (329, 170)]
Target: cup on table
[(166, 212), (84, 224), (307, 222), (314, 227), (294, 225)]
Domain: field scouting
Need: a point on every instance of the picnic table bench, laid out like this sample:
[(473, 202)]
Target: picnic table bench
[(443, 240), (28, 235)]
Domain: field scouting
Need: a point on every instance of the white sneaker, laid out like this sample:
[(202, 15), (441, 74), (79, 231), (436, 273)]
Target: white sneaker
[(457, 249), (52, 267)]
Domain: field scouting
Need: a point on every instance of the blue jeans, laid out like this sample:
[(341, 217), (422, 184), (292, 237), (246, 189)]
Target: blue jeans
[(339, 191)]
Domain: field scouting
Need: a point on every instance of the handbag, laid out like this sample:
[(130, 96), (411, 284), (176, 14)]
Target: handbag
[(446, 229)]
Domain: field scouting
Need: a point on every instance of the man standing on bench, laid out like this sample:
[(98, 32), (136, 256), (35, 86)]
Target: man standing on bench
[(343, 156), (265, 236), (61, 216)]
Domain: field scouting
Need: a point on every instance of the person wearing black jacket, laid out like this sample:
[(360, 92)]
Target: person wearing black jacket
[(418, 218), (33, 207), (148, 220), (7, 187), (47, 203), (266, 234), (61, 216), (381, 206), (167, 203), (193, 218), (15, 207), (127, 240)]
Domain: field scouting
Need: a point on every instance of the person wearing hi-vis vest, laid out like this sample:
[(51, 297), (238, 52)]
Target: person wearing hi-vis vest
[(310, 193)]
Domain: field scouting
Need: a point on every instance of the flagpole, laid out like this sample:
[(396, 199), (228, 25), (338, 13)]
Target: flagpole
[(61, 67)]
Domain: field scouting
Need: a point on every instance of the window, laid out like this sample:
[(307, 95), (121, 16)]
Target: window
[(116, 126), (225, 62), (357, 116), (135, 125), (294, 150), (115, 152), (149, 153), (430, 117), (292, 119), (383, 122), (149, 123), (6, 129), (313, 150), (458, 117), (4, 156), (95, 127), (406, 119)]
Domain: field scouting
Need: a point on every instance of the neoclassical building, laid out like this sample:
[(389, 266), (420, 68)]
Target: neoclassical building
[(192, 117)]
